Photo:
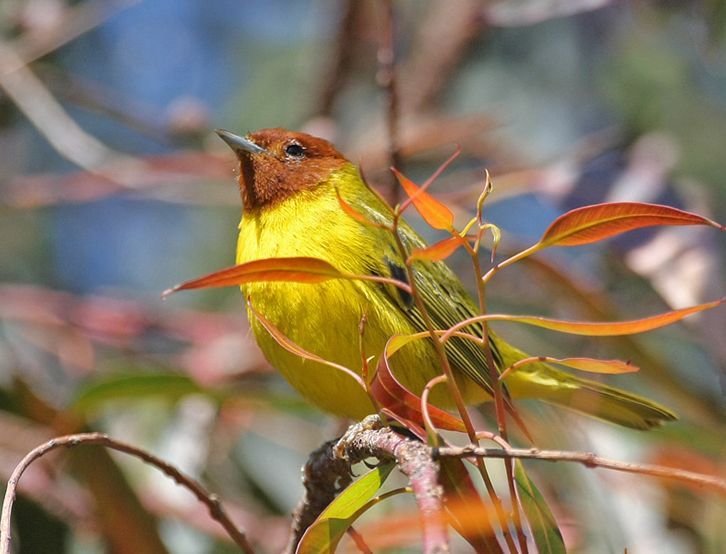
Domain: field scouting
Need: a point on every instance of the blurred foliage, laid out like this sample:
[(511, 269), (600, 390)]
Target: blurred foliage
[(625, 101)]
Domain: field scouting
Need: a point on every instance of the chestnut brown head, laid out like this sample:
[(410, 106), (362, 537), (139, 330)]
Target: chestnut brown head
[(277, 163)]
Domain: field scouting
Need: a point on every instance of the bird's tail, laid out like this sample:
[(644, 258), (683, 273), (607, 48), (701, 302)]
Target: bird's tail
[(543, 381), (609, 403)]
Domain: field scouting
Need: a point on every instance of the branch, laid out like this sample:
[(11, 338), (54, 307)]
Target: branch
[(210, 500), (386, 78), (588, 459), (329, 469), (46, 114)]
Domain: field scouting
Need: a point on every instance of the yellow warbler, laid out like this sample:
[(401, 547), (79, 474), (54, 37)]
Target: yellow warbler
[(289, 184)]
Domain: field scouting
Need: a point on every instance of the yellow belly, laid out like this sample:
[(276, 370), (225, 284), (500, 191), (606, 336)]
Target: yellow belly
[(324, 318)]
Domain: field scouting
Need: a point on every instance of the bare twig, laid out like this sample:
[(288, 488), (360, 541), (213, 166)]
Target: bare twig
[(76, 21), (587, 459), (342, 55), (442, 40), (46, 114), (215, 507), (386, 78)]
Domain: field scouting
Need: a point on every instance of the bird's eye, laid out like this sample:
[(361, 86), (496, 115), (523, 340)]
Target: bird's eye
[(294, 150)]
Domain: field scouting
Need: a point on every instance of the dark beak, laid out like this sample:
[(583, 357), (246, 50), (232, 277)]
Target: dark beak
[(238, 143)]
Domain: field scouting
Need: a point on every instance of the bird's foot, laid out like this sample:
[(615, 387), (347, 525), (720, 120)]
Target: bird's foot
[(368, 423)]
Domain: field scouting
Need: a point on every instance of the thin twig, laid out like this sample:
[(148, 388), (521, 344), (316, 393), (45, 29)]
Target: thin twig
[(76, 21), (439, 345), (46, 114), (386, 79), (210, 500), (588, 459)]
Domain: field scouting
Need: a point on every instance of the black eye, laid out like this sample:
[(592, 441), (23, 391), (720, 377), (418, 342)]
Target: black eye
[(294, 150)]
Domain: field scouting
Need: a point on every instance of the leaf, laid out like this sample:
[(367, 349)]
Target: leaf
[(396, 398), (295, 269), (355, 214), (326, 531), (600, 221), (438, 251), (547, 535), (468, 513), (298, 350), (592, 365), (299, 270), (605, 328), (434, 212), (118, 386)]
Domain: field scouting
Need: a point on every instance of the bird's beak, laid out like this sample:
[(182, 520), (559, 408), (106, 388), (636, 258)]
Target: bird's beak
[(238, 143)]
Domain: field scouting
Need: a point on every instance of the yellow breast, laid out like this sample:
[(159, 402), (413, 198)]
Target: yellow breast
[(324, 317)]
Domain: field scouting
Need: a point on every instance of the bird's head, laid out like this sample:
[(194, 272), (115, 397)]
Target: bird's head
[(276, 164)]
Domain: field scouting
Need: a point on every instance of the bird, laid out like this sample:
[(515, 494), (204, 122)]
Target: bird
[(291, 184)]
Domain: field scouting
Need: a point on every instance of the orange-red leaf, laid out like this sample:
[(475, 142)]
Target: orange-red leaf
[(593, 365), (604, 328), (396, 398), (299, 270), (434, 212), (294, 348), (355, 214), (296, 269), (438, 251), (600, 221)]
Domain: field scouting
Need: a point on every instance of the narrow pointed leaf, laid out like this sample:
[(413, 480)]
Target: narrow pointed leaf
[(294, 269), (607, 328), (434, 212), (438, 251), (547, 535), (298, 350), (600, 221), (323, 536), (593, 365), (299, 270), (355, 214)]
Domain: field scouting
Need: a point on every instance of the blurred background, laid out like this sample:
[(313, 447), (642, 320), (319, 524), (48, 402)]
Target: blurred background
[(113, 188)]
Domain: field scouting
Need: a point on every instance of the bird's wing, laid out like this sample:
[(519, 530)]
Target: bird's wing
[(443, 294)]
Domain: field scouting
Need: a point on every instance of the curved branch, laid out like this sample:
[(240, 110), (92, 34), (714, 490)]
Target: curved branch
[(209, 499)]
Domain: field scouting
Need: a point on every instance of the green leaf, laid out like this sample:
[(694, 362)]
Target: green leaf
[(117, 386), (546, 533), (325, 533)]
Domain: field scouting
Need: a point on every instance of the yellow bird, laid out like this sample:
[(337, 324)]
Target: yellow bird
[(288, 184)]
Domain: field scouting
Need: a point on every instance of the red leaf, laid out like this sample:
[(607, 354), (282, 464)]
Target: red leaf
[(591, 365), (595, 328), (600, 221), (299, 270), (298, 350), (296, 269), (438, 251), (434, 212), (396, 398)]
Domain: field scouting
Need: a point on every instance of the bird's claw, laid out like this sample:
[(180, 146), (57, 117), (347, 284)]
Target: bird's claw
[(368, 423)]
